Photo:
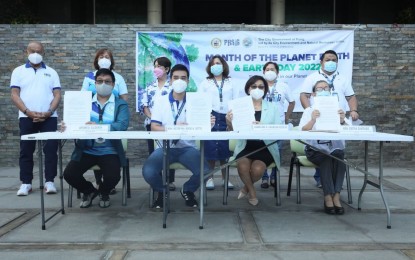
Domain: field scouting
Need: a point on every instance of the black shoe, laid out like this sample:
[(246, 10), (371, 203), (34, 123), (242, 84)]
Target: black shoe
[(273, 182), (158, 203), (339, 210), (264, 184), (88, 198), (104, 201), (113, 191), (329, 210), (189, 198)]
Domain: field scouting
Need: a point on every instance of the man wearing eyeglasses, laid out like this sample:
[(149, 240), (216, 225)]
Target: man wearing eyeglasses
[(109, 155)]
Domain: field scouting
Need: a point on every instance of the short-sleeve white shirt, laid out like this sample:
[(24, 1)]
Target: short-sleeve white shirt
[(279, 93), (36, 86), (341, 84), (229, 92), (164, 112)]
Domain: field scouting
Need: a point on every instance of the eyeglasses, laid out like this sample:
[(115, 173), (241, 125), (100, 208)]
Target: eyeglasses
[(259, 86), (321, 89), (108, 82)]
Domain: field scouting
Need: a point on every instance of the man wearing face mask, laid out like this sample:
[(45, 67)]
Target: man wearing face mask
[(339, 85), (109, 155), (105, 60), (171, 110), (36, 92)]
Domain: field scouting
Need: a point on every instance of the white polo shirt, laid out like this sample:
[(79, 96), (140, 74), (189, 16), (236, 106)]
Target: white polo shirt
[(279, 93), (36, 86), (342, 86), (229, 92), (164, 112)]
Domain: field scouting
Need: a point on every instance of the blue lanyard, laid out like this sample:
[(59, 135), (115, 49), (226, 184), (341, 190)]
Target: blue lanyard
[(176, 116), (330, 81), (101, 112), (272, 91), (219, 88)]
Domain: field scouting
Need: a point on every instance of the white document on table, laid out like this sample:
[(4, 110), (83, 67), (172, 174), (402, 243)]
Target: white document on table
[(76, 109), (329, 119), (198, 111), (243, 113)]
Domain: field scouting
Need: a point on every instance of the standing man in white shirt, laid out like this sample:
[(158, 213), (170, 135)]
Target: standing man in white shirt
[(36, 92)]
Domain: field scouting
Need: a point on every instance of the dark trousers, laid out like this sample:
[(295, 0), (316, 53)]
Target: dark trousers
[(150, 144), (110, 168), (332, 171), (27, 148)]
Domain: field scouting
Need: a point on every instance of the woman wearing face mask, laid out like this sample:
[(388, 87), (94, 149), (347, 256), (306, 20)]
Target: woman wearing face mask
[(332, 172), (252, 167), (159, 87), (219, 85), (279, 93), (104, 60)]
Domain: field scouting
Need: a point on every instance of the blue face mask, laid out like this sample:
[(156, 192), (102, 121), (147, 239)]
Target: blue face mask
[(324, 93), (216, 69), (330, 66)]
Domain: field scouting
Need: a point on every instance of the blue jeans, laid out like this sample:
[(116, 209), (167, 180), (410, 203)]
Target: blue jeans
[(188, 156)]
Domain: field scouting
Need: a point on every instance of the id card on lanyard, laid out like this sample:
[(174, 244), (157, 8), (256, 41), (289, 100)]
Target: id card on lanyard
[(220, 90), (175, 114)]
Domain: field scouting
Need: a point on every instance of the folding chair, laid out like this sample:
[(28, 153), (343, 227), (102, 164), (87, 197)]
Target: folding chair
[(299, 159), (232, 144), (126, 191)]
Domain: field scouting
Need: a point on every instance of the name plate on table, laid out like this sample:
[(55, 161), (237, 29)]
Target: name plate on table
[(358, 129), (177, 129), (89, 129), (270, 128)]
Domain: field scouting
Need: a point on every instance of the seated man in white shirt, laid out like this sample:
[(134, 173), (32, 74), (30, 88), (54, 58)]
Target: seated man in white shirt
[(171, 110)]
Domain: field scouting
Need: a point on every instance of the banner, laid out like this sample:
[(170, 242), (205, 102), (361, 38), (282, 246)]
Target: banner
[(296, 53)]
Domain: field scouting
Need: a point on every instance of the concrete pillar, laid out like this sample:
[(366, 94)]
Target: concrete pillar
[(154, 11), (277, 11)]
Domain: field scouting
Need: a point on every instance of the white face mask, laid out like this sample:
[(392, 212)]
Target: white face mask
[(179, 85), (256, 93), (35, 58), (270, 75), (104, 89), (216, 69), (104, 63), (330, 66)]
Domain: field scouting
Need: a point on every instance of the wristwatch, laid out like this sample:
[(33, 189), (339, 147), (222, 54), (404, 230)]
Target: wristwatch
[(51, 111)]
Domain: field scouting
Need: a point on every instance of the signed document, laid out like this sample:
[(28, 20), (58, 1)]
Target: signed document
[(198, 110), (76, 109), (243, 113), (329, 119)]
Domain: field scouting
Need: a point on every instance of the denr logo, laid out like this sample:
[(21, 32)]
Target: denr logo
[(247, 42)]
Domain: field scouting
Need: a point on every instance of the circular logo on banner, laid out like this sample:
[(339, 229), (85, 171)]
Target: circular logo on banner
[(216, 43), (247, 42)]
